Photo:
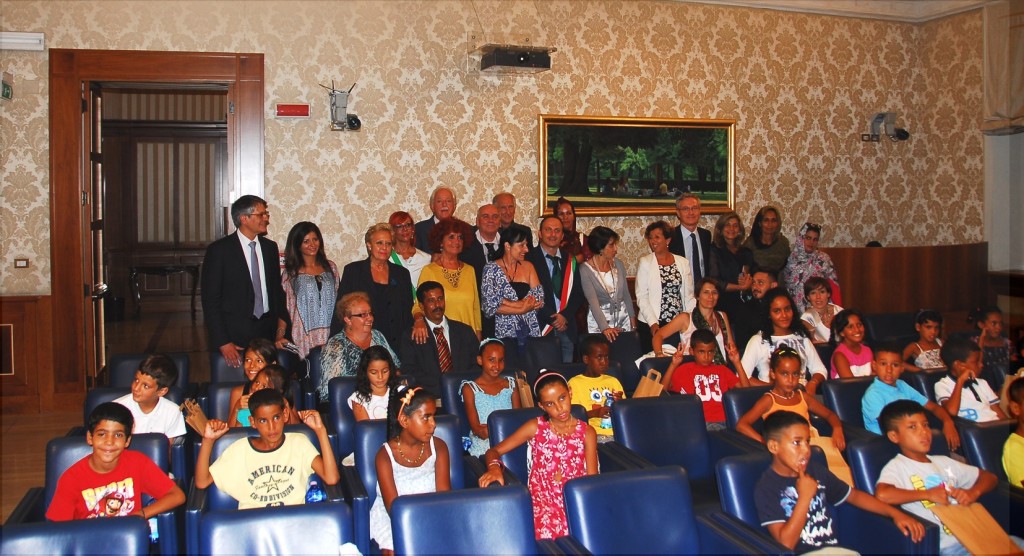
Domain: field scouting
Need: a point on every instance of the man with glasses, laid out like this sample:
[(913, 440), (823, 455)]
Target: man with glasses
[(691, 241), (241, 283)]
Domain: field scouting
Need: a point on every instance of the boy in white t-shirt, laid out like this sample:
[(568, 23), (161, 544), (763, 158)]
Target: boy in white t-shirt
[(962, 392), (153, 412)]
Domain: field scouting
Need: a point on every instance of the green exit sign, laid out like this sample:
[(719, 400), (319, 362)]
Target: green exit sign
[(7, 93)]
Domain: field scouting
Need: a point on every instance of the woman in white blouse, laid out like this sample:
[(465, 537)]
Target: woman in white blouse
[(664, 284)]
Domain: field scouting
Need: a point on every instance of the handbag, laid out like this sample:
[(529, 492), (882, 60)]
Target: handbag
[(649, 386), (525, 392)]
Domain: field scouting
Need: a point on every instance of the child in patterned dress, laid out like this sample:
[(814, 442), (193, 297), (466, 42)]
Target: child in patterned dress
[(561, 448)]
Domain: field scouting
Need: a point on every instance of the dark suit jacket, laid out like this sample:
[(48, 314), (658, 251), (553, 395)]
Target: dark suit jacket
[(392, 312), (707, 262), (536, 256), (420, 360), (473, 255), (423, 228), (228, 295)]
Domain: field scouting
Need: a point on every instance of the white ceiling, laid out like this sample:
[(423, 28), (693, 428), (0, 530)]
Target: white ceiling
[(913, 11)]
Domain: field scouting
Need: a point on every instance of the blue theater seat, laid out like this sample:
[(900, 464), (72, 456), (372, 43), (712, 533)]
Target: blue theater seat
[(503, 422), (305, 529), (643, 512), (102, 394), (542, 352), (218, 400), (924, 381), (843, 396), (472, 521), (119, 535), (983, 443), (659, 364), (62, 453), (314, 370), (121, 368), (856, 529), (370, 435), (626, 349), (342, 421), (451, 395), (868, 458), (896, 327), (204, 500), (670, 430), (221, 372)]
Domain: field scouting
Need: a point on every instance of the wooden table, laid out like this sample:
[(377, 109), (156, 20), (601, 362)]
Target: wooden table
[(162, 270)]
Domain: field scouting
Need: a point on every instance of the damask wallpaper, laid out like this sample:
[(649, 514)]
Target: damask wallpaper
[(802, 88)]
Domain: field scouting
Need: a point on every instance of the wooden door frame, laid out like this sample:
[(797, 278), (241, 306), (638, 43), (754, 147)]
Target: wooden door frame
[(243, 73)]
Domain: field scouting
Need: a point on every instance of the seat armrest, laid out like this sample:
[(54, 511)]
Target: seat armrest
[(195, 506), (356, 495), (623, 457), (335, 492), (731, 442), (717, 538), (851, 523), (569, 545), (179, 460), (167, 526), (758, 538), (29, 509)]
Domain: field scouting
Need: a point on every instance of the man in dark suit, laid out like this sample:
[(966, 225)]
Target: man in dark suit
[(691, 241), (506, 205), (563, 293), (477, 252), (442, 206), (241, 283), (451, 345)]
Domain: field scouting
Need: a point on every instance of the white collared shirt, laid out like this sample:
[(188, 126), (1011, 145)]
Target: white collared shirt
[(248, 263), (483, 242), (688, 247), (444, 329)]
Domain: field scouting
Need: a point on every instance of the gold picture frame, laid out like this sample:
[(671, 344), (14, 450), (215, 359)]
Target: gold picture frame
[(635, 166)]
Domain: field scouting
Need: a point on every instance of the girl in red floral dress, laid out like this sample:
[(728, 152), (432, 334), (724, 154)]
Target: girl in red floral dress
[(561, 447)]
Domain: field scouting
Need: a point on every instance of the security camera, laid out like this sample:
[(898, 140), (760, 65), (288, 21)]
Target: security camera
[(885, 122), (899, 134)]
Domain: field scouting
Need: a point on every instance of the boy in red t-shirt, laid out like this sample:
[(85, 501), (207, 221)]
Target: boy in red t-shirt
[(110, 482), (703, 377)]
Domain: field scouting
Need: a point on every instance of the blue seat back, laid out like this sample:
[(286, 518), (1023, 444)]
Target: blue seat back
[(221, 372), (601, 508), (738, 401), (843, 396), (293, 363), (314, 369), (301, 529), (737, 479), (542, 352), (626, 349), (63, 452), (659, 364), (120, 535), (338, 392), (371, 434), (667, 430), (451, 395), (825, 352), (469, 521), (218, 405), (503, 422), (121, 367), (867, 457), (982, 444), (924, 381), (890, 326)]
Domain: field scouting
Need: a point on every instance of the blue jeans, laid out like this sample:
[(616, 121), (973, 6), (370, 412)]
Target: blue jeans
[(567, 346)]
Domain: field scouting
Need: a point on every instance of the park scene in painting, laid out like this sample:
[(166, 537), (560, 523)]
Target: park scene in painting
[(635, 165)]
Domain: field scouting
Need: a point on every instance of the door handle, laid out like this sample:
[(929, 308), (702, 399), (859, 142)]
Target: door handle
[(99, 291)]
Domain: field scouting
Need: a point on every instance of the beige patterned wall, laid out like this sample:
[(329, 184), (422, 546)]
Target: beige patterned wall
[(802, 87)]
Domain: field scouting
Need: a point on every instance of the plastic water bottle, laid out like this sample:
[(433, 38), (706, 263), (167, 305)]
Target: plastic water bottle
[(314, 493), (154, 531), (606, 421)]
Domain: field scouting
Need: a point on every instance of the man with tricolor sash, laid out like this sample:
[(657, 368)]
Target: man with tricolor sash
[(561, 280)]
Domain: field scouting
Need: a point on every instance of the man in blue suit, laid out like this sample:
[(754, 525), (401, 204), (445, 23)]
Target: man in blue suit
[(241, 283), (560, 277)]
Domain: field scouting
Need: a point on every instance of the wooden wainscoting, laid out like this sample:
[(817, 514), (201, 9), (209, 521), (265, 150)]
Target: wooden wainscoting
[(28, 370), (948, 278)]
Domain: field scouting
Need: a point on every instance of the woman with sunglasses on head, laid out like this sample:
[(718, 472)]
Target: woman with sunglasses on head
[(310, 282), (805, 262), (342, 352)]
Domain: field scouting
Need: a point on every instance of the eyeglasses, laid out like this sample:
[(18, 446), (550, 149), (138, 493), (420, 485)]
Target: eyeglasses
[(402, 226), (264, 214), (361, 315)]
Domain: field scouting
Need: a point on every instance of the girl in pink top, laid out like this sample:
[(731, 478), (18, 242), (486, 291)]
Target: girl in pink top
[(851, 357)]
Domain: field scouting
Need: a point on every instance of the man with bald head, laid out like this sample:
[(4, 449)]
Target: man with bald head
[(442, 207), (478, 249), (506, 204)]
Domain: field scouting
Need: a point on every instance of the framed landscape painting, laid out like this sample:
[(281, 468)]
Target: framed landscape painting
[(635, 166)]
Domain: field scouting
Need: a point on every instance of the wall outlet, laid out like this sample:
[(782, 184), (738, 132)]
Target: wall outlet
[(20, 263), (865, 136)]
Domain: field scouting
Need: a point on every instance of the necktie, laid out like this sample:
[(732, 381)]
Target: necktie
[(490, 251), (257, 282), (556, 275), (444, 354), (695, 259)]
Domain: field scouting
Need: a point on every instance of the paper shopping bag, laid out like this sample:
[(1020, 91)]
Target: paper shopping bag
[(650, 385), (525, 392), (976, 529)]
